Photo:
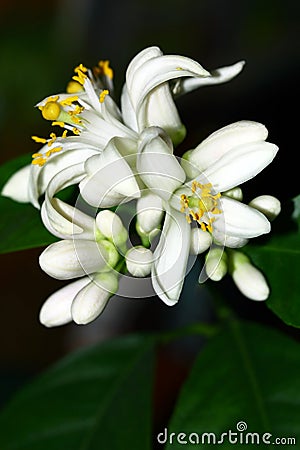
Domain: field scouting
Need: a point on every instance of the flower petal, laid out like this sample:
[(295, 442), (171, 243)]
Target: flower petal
[(156, 165), (17, 185), (61, 219), (109, 178), (56, 310), (225, 140), (218, 76), (240, 220), (149, 69), (239, 165), (170, 258)]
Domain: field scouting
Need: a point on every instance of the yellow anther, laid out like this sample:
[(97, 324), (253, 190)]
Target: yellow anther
[(64, 135), (53, 139), (53, 150), (39, 161), (76, 131), (59, 124), (103, 95), (51, 111), (39, 140), (203, 226), (179, 68), (36, 155), (69, 100), (73, 87), (188, 219), (80, 68), (104, 69)]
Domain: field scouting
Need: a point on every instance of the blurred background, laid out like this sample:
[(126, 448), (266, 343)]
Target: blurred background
[(41, 42)]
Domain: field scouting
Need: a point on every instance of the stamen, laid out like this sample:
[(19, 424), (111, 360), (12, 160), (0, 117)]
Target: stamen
[(59, 124), (53, 139), (103, 95), (76, 131), (205, 202), (104, 69), (81, 74), (69, 100), (39, 140)]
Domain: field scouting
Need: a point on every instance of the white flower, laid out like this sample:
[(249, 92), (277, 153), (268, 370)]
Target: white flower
[(237, 153), (90, 114), (249, 280)]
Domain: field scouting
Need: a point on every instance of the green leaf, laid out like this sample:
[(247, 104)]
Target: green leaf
[(98, 397), (247, 373), (279, 260), (20, 226)]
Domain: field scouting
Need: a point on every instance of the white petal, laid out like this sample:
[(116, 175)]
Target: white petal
[(65, 221), (224, 140), (170, 258), (159, 110), (157, 166), (71, 259), (218, 76), (56, 310), (240, 165), (267, 204), (128, 113), (225, 240), (74, 153), (240, 220), (149, 211), (16, 187), (61, 219), (154, 71), (92, 299), (108, 175)]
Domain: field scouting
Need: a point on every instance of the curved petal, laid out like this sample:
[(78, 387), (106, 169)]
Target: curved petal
[(61, 219), (56, 310), (68, 259), (150, 72), (159, 110), (108, 176), (74, 152), (128, 113), (156, 165), (240, 220), (17, 185), (225, 140), (170, 258), (240, 165), (218, 76)]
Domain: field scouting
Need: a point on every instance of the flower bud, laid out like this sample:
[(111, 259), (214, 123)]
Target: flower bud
[(267, 204), (139, 261), (56, 310), (249, 280), (149, 212), (92, 299), (111, 226), (216, 264), (200, 241), (235, 193)]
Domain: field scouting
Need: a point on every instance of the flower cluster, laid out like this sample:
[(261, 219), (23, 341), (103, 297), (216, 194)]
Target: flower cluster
[(124, 155)]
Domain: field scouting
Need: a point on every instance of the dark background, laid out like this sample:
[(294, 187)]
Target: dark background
[(41, 42)]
